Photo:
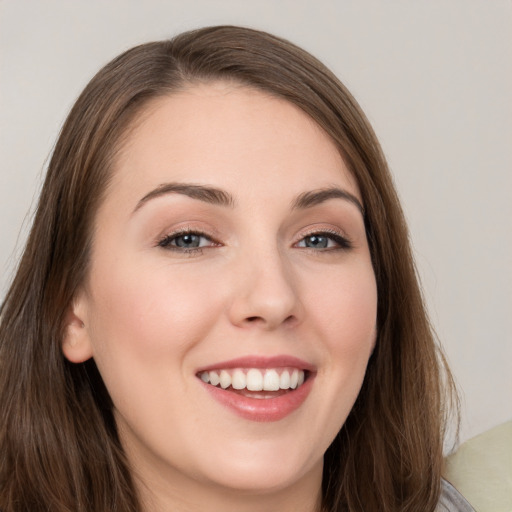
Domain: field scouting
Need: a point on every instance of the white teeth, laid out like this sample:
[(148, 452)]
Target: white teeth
[(225, 379), (254, 379), (271, 381), (294, 379), (238, 381), (214, 378), (284, 380)]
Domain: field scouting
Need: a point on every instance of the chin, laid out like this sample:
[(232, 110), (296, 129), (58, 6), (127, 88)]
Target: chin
[(263, 475)]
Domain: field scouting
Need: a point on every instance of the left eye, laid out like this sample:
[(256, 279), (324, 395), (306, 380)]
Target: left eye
[(185, 241), (324, 241)]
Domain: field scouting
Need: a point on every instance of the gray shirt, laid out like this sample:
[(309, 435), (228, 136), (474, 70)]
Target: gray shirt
[(451, 500)]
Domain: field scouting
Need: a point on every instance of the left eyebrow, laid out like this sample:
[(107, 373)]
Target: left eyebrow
[(210, 195), (315, 197)]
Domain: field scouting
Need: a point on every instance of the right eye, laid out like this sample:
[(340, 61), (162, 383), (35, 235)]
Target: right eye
[(186, 241)]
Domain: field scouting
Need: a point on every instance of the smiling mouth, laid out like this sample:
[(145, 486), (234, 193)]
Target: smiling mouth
[(256, 382)]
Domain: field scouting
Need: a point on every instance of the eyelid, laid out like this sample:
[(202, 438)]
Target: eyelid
[(163, 241), (339, 236)]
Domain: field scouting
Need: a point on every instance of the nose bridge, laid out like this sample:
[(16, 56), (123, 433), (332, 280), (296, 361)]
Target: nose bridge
[(265, 288)]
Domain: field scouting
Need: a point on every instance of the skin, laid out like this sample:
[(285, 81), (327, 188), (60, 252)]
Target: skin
[(151, 315)]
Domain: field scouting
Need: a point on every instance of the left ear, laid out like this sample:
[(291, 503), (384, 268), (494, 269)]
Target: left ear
[(76, 344)]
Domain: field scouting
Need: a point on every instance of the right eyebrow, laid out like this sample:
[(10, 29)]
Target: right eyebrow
[(315, 197), (204, 193)]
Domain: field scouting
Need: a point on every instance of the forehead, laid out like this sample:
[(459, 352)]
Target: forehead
[(232, 136)]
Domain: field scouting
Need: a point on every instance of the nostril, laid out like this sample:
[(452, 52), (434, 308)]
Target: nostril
[(257, 319)]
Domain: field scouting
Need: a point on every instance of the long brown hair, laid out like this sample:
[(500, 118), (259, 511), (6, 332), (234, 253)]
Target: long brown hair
[(59, 448)]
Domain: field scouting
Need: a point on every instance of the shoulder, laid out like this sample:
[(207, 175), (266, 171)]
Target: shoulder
[(451, 500)]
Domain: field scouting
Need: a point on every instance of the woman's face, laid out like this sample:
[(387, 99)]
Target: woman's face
[(229, 252)]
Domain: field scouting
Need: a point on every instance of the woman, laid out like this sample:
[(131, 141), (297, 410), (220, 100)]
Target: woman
[(217, 307)]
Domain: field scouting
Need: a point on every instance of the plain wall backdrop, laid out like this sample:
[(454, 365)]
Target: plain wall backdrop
[(433, 76)]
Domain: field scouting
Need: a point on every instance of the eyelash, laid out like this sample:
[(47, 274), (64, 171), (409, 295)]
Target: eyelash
[(343, 243), (165, 242)]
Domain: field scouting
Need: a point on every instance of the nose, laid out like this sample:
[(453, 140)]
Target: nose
[(265, 292)]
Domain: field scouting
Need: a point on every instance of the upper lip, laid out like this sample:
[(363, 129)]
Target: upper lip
[(261, 362)]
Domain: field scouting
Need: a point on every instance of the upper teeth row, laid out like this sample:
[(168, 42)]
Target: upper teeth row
[(255, 379)]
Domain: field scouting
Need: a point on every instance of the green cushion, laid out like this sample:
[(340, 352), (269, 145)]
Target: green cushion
[(481, 469)]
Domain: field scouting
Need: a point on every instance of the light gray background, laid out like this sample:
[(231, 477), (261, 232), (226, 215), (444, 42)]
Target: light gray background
[(435, 79)]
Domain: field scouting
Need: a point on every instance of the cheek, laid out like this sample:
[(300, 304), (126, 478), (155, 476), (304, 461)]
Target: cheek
[(149, 314), (345, 316), (146, 321), (346, 311)]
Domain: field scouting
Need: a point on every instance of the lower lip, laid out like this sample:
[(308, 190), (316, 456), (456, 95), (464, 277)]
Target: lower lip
[(262, 409)]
